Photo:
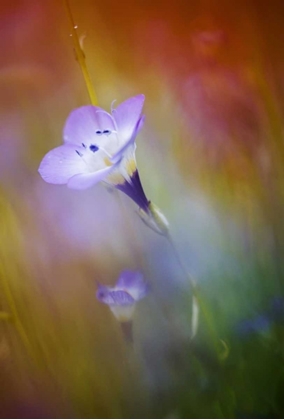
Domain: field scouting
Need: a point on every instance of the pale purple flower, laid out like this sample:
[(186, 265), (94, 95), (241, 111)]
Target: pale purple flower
[(122, 298), (99, 146)]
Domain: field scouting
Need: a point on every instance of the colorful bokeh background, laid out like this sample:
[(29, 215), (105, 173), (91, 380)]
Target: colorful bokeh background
[(210, 155)]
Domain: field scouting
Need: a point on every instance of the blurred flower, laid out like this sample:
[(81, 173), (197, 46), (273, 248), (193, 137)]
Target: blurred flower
[(99, 146), (263, 322), (277, 309), (260, 323), (122, 299)]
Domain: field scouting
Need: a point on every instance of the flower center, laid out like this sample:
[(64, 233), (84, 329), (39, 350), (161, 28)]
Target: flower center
[(98, 159), (97, 155)]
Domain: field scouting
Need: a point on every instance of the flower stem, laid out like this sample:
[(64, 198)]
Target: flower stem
[(197, 301), (182, 266), (81, 56)]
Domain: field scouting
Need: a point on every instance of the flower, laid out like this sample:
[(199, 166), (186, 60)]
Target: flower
[(263, 322), (277, 309), (99, 146), (259, 324), (122, 299)]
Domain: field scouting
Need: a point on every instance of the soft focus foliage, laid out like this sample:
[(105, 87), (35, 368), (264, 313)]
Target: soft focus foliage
[(210, 155)]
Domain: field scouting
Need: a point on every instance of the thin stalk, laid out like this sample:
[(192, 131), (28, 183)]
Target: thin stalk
[(182, 266), (197, 301), (81, 56)]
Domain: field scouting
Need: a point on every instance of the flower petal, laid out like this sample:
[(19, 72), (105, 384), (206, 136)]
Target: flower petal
[(84, 122), (60, 164), (133, 283), (127, 116), (140, 124), (127, 146), (112, 297), (87, 180)]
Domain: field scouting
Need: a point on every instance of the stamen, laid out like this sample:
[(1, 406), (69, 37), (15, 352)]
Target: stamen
[(94, 148), (107, 132), (113, 120), (101, 148), (111, 106), (110, 116)]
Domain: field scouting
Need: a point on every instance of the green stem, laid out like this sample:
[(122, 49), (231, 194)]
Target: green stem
[(81, 56)]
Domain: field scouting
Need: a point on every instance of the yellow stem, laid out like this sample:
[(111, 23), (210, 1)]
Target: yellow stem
[(81, 56)]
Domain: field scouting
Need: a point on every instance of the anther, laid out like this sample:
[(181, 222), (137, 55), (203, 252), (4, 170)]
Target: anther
[(94, 148)]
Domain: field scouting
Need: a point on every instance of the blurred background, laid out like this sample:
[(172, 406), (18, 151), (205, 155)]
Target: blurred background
[(210, 155)]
